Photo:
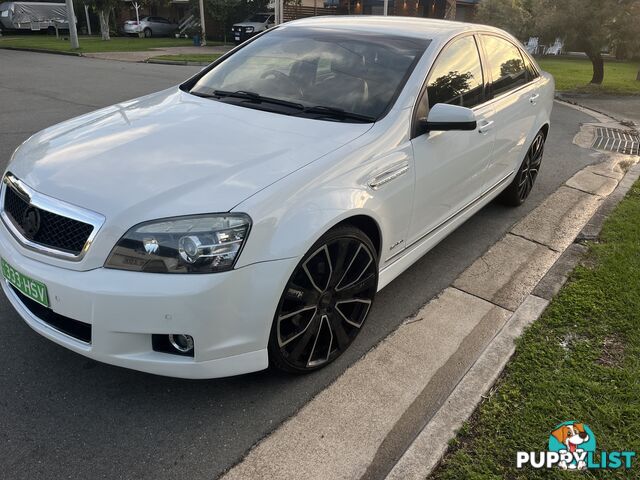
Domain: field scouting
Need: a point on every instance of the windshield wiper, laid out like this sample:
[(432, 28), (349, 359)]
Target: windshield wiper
[(338, 113), (253, 97), (257, 98)]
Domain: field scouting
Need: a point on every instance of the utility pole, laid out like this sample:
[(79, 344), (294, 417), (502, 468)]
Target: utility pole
[(203, 39), (71, 18), (386, 7)]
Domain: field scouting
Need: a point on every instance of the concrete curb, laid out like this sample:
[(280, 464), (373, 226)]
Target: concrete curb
[(428, 449), (176, 62), (44, 50)]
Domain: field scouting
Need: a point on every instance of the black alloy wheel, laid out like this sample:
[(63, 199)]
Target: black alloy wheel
[(518, 191), (326, 301)]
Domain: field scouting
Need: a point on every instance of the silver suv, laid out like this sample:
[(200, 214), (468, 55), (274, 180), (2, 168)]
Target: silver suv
[(253, 25)]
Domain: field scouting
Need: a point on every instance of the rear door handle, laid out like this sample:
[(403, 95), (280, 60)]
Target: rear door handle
[(486, 127), (534, 98)]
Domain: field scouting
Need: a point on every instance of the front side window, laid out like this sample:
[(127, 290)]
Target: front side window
[(456, 77), (505, 63), (354, 72)]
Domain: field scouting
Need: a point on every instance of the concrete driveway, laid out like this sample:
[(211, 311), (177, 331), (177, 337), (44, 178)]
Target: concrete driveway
[(63, 416)]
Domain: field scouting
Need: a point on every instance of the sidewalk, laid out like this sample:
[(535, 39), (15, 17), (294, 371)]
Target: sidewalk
[(622, 108), (146, 55)]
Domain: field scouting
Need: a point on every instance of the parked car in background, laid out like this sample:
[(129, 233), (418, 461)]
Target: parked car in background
[(34, 16), (150, 27), (253, 25), (249, 216)]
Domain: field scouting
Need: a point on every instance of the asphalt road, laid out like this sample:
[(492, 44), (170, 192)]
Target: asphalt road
[(64, 416)]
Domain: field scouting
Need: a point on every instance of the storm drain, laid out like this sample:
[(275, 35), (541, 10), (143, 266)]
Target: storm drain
[(616, 140)]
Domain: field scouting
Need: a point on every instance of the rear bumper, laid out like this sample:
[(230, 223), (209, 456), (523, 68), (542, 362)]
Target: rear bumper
[(228, 314), (131, 29)]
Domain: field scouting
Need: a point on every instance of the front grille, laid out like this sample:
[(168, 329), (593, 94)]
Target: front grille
[(73, 328), (52, 230)]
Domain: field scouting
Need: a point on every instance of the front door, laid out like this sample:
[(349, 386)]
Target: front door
[(451, 166)]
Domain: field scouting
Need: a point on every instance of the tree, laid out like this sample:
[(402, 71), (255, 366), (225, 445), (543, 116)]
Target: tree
[(103, 9), (589, 25), (513, 16)]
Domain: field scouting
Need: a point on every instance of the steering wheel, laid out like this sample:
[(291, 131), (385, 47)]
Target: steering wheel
[(277, 74)]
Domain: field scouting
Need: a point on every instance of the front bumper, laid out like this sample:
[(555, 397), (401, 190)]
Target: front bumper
[(240, 36), (228, 314)]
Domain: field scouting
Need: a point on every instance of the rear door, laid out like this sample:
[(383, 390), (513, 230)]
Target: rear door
[(514, 93), (451, 165)]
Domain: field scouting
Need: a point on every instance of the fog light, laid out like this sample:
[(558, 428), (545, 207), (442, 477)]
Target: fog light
[(182, 343)]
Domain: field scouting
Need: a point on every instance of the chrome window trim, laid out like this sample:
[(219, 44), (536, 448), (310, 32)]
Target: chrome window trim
[(52, 205)]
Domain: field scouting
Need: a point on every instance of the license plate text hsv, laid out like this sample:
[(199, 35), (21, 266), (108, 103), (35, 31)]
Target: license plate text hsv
[(36, 291)]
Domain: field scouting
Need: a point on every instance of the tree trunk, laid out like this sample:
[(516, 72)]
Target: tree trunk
[(450, 10), (598, 67), (103, 16), (638, 76)]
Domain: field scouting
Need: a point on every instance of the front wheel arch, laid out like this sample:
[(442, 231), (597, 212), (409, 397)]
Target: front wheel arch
[(309, 310), (368, 226)]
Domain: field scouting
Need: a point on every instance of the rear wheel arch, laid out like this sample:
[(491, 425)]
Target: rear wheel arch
[(545, 130)]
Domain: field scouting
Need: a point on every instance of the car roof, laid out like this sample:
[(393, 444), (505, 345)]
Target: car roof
[(431, 28)]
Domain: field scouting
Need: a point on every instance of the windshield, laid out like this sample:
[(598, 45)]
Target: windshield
[(354, 72), (258, 18)]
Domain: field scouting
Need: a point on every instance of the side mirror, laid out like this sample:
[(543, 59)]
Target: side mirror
[(443, 117)]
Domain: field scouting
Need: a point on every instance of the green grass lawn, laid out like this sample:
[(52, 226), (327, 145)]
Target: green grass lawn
[(579, 361), (94, 44), (196, 58), (574, 75)]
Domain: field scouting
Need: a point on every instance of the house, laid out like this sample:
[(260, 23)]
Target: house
[(465, 9)]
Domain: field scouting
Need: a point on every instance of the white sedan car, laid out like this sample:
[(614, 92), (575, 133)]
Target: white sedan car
[(249, 216)]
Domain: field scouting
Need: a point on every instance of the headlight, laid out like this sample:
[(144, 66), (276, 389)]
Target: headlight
[(248, 29), (193, 244)]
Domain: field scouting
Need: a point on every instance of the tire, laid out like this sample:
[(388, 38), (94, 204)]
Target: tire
[(520, 188), (325, 302), (147, 33)]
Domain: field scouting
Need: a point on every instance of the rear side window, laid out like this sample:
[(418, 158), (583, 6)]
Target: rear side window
[(532, 73), (505, 63), (456, 77)]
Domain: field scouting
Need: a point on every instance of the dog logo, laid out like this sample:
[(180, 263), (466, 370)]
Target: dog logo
[(574, 438), (572, 446)]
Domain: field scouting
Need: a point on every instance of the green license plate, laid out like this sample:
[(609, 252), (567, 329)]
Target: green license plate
[(35, 290)]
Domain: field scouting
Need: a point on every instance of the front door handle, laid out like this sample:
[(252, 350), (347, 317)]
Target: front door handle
[(486, 127), (533, 99)]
